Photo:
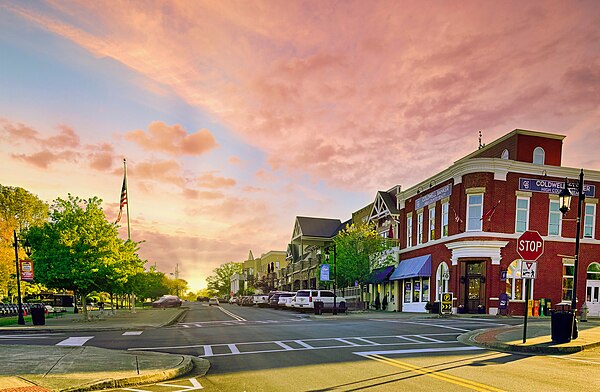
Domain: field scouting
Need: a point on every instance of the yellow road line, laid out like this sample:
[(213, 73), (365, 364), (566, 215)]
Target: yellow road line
[(436, 374)]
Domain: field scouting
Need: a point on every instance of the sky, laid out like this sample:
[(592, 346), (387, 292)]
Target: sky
[(237, 116)]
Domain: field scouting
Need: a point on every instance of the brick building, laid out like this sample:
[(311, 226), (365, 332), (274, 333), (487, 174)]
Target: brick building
[(457, 230)]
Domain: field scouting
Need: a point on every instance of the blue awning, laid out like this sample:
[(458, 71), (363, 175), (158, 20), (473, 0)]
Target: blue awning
[(412, 268), (380, 275)]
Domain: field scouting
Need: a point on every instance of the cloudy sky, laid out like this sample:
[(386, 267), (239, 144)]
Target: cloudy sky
[(236, 116)]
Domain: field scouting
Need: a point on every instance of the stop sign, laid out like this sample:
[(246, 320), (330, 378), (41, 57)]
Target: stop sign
[(530, 245)]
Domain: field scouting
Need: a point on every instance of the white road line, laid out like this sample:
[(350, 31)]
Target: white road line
[(305, 345), (439, 326), (132, 333), (40, 336), (346, 342), (409, 339), (136, 390), (235, 316), (430, 339), (233, 348), (208, 351), (283, 345), (367, 341), (419, 350), (74, 341), (575, 359)]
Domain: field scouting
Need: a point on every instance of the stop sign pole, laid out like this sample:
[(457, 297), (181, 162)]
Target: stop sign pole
[(530, 246)]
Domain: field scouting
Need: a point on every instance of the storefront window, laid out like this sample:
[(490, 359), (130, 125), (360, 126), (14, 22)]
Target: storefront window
[(425, 290), (515, 286), (416, 290), (593, 271), (407, 291), (567, 280)]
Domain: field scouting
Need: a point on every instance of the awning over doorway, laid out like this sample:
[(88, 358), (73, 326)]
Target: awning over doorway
[(380, 275), (412, 268)]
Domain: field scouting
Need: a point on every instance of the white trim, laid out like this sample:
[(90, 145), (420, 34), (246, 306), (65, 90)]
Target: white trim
[(477, 249), (475, 190)]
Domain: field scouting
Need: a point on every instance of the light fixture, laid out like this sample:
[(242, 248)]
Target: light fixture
[(564, 198)]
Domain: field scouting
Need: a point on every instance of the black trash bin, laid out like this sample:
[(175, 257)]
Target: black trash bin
[(435, 309), (561, 325), (318, 307), (38, 314)]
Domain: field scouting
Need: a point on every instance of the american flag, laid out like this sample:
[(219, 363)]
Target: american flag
[(490, 213), (457, 218), (123, 199)]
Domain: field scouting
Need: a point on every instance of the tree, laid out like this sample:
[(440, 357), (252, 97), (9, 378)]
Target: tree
[(149, 284), (19, 210), (360, 249), (78, 249), (220, 281)]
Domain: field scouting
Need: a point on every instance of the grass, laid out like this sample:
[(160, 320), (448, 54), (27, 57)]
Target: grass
[(13, 320)]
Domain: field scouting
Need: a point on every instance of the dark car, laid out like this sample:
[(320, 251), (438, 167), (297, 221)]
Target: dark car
[(167, 301)]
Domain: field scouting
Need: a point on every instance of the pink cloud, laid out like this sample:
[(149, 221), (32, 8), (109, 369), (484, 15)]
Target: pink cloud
[(234, 160), (45, 158), (173, 139), (209, 180)]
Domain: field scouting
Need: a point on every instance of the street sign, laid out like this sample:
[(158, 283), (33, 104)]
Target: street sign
[(446, 307), (528, 269), (530, 245)]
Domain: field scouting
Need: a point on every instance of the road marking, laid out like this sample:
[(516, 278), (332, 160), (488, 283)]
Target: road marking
[(235, 316), (36, 336), (195, 386), (136, 390), (575, 359), (439, 326), (207, 351), (283, 345), (436, 374), (132, 333), (419, 350), (233, 348), (74, 341), (305, 345), (409, 339), (428, 338), (367, 341), (346, 342)]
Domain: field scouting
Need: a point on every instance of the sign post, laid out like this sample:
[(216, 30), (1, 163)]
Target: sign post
[(446, 307), (530, 246)]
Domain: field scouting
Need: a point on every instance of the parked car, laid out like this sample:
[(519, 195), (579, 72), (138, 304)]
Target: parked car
[(306, 299), (284, 298), (260, 300), (167, 301), (213, 301), (290, 302)]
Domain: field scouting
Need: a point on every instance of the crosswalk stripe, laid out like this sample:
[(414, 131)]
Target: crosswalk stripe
[(75, 341), (208, 351), (409, 339), (305, 345), (283, 345), (233, 348)]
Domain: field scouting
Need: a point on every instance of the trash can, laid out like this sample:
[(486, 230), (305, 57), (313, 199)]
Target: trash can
[(38, 314), (318, 307), (435, 309), (561, 325)]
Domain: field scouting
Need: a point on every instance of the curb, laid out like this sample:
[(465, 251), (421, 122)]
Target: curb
[(184, 367), (470, 338)]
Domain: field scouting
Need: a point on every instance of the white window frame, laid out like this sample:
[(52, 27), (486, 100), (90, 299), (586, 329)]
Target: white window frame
[(409, 231), (555, 212), (515, 279), (517, 209), (445, 215), (539, 156), (420, 228), (478, 216), (431, 232), (591, 216), (441, 283)]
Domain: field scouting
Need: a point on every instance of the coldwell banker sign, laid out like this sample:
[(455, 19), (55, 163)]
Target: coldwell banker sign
[(434, 196), (551, 186)]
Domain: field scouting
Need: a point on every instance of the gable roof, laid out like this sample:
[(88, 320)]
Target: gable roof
[(317, 227)]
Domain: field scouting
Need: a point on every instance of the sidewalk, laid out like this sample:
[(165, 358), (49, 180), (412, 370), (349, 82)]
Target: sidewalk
[(28, 368), (539, 339)]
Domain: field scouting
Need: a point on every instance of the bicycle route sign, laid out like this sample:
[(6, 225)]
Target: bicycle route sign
[(446, 306)]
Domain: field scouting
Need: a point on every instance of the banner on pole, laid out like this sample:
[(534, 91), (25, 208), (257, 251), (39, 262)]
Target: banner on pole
[(26, 267)]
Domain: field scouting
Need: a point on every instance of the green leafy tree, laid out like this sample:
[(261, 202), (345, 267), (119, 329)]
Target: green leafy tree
[(149, 284), (19, 210), (220, 281), (78, 249), (360, 249)]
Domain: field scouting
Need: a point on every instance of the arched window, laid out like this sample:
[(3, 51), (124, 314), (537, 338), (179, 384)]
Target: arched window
[(442, 279), (539, 156), (593, 272), (515, 285), (505, 154)]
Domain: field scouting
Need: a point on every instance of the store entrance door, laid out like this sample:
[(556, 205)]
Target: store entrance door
[(592, 294), (474, 286)]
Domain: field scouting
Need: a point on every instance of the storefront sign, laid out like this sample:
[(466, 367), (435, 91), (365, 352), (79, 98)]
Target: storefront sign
[(324, 272), (26, 270), (434, 196), (554, 187)]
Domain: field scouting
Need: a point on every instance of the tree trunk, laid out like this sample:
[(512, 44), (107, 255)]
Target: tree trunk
[(84, 305)]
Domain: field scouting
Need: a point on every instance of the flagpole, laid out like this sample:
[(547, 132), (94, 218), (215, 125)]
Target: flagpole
[(127, 190)]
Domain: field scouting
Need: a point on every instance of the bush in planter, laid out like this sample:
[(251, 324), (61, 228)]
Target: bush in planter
[(480, 309), (428, 306), (461, 309)]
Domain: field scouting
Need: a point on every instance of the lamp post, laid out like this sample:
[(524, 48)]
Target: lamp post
[(565, 205), (334, 275), (21, 319)]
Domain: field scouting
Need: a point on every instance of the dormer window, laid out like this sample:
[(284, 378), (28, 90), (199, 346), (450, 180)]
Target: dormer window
[(504, 154), (539, 156)]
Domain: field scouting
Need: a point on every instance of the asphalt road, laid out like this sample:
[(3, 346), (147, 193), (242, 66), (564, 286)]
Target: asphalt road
[(253, 349)]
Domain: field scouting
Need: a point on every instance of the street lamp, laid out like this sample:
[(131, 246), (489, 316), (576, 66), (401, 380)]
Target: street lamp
[(334, 275), (565, 205), (27, 247)]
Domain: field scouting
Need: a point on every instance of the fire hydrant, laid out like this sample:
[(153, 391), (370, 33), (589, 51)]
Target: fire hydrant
[(584, 312)]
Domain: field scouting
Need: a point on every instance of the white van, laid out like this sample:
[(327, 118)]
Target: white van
[(260, 300), (306, 299)]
